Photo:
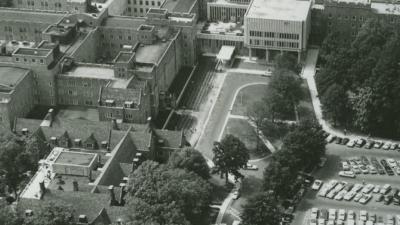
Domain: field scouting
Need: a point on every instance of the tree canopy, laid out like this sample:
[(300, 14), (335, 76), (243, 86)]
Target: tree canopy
[(230, 155), (261, 210), (160, 187), (360, 78), (190, 159), (52, 213)]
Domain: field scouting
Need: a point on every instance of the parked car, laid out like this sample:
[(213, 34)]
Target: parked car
[(372, 169), (385, 189), (369, 144), (358, 197), (391, 162), (349, 174), (378, 144), (236, 195), (379, 198), (341, 214), (363, 215), (386, 146), (388, 199), (317, 185), (249, 166), (350, 195), (345, 166), (340, 195), (330, 138), (351, 143), (360, 142), (394, 146), (376, 189), (338, 140), (345, 141), (365, 199)]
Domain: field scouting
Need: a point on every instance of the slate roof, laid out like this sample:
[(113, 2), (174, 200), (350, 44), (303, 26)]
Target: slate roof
[(83, 203)]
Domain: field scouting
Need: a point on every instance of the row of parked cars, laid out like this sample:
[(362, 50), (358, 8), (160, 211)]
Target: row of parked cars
[(360, 143), (341, 190), (338, 217), (363, 165)]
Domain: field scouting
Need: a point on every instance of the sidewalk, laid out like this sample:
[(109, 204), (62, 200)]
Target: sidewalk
[(308, 73)]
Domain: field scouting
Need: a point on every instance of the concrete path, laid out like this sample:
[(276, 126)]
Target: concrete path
[(224, 207)]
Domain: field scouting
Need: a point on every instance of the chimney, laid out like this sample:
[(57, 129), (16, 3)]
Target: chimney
[(122, 194), (135, 164), (82, 219), (112, 195), (28, 212), (75, 185)]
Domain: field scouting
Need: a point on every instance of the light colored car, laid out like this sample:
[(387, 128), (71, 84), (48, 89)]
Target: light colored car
[(345, 166), (314, 211), (385, 189), (341, 214), (394, 146), (363, 215), (321, 222), (357, 187), (358, 197), (323, 192), (378, 144), (364, 170), (351, 143), (351, 215), (376, 189), (331, 194), (331, 184), (332, 214), (350, 195), (386, 146), (392, 163), (367, 188), (397, 171), (330, 138), (250, 167), (349, 174), (365, 199), (340, 195), (389, 219), (317, 185), (372, 169), (331, 222), (351, 222)]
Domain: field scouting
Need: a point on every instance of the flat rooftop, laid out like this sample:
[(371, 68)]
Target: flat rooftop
[(386, 8), (124, 57), (178, 5), (30, 16), (123, 22), (151, 53), (293, 10), (32, 51), (75, 158), (10, 76), (227, 28), (91, 72)]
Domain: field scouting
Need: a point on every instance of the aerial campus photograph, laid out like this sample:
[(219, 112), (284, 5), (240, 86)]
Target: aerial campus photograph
[(199, 112)]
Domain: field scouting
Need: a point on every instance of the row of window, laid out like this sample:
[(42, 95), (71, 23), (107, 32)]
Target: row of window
[(33, 60), (141, 10), (120, 37), (153, 3), (274, 43), (32, 3), (110, 115), (273, 35), (346, 17)]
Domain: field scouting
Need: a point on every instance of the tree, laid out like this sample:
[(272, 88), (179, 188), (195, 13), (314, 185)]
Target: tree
[(52, 213), (261, 209), (143, 213), (279, 178), (257, 114), (287, 61), (284, 93), (158, 185), (8, 217), (10, 163), (335, 104), (230, 156), (190, 159)]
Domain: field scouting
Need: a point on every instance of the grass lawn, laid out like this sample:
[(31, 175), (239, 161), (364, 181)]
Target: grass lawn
[(246, 97), (245, 132)]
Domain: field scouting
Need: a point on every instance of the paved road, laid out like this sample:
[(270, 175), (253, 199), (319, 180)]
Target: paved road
[(335, 154)]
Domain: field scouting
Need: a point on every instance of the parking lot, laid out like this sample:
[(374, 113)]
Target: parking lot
[(336, 155)]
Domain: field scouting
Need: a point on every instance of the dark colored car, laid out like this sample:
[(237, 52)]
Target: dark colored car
[(338, 140), (364, 160), (323, 214), (369, 144), (389, 171), (360, 142), (384, 163), (345, 141), (388, 199)]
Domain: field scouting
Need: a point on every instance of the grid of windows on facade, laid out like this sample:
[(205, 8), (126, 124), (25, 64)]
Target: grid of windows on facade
[(274, 43), (146, 2), (273, 35)]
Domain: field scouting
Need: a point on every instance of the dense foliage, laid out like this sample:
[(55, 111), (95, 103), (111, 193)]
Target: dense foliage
[(190, 159), (6, 3), (359, 83), (230, 155), (167, 195), (17, 156), (52, 213), (261, 210)]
